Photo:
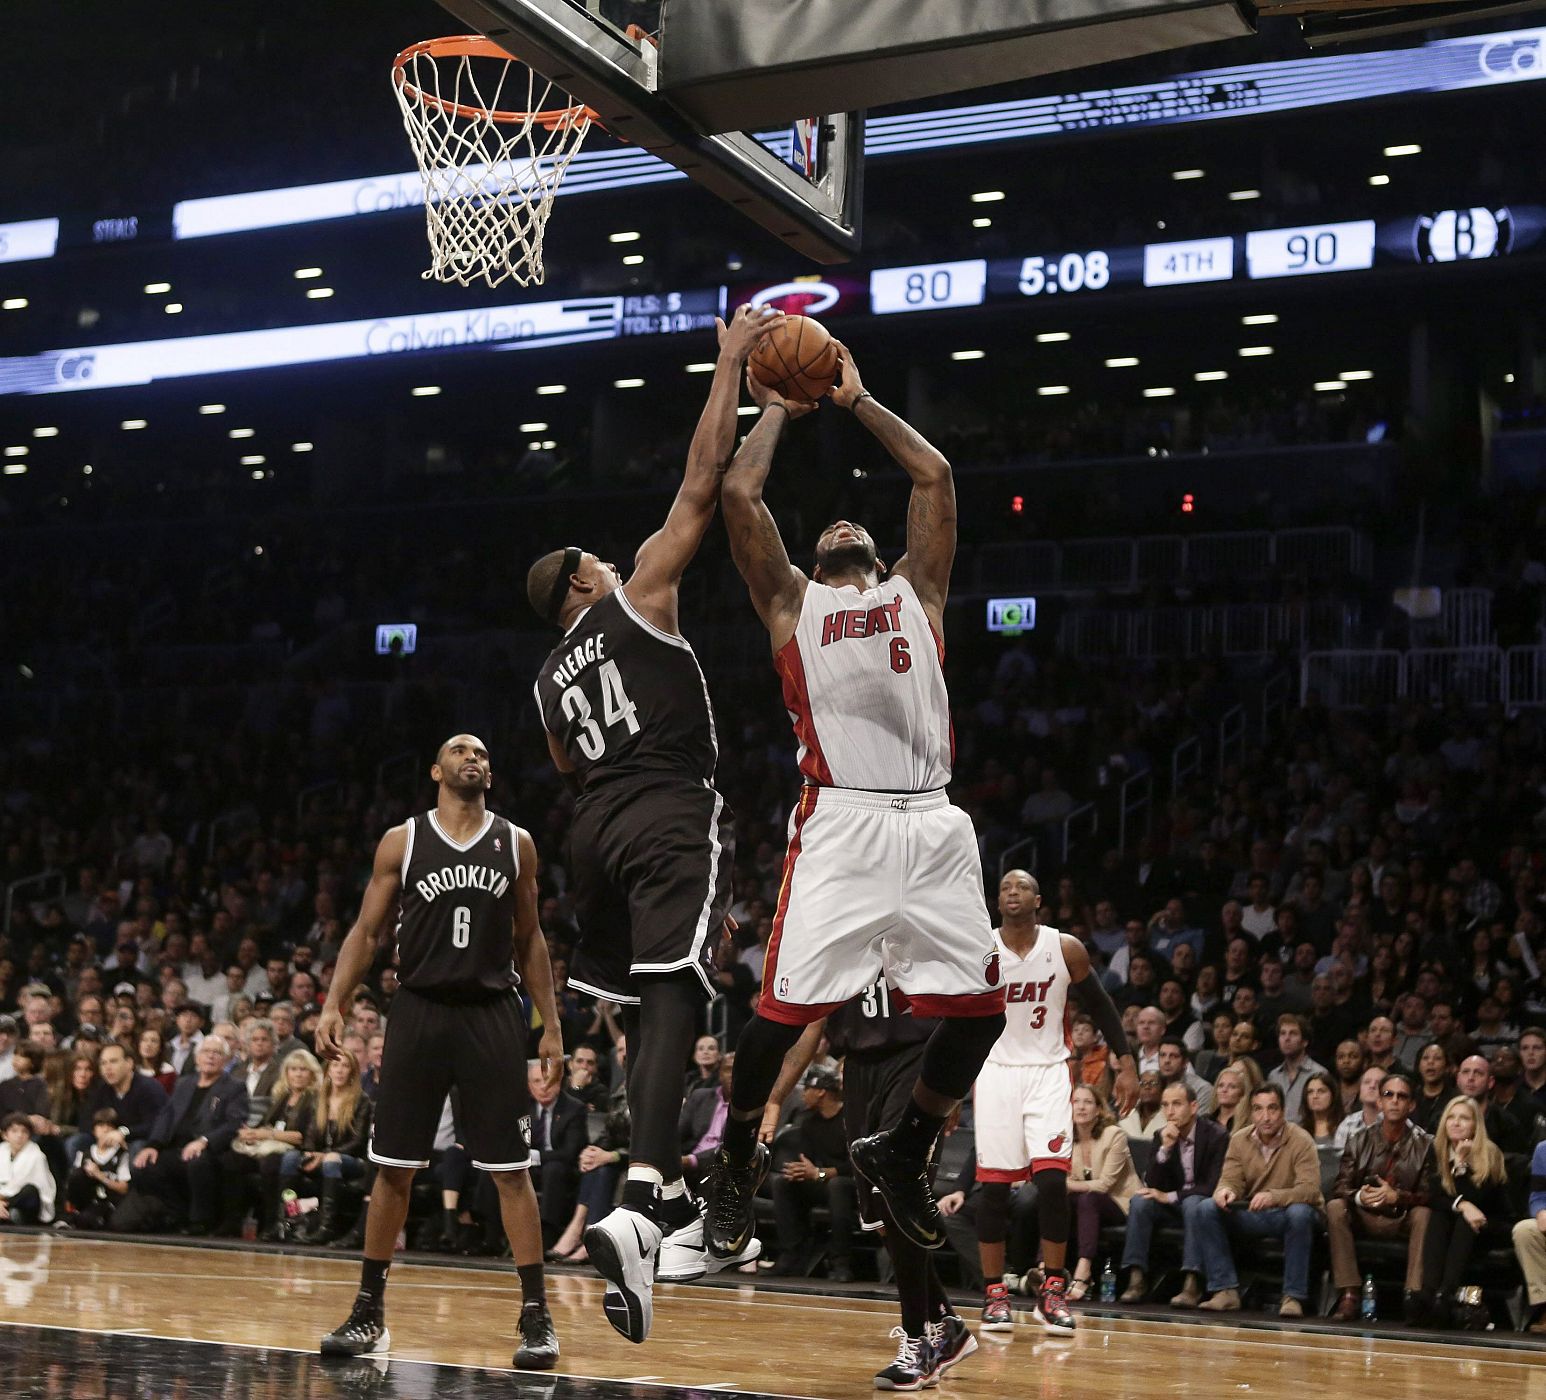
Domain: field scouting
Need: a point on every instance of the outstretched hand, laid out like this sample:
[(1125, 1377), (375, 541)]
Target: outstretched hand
[(765, 398), (748, 325), (848, 388)]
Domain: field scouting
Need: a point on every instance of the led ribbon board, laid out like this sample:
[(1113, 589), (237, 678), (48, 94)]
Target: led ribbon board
[(1217, 94), (1448, 235)]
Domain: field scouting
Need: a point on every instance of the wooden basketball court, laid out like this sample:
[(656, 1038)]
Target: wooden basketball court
[(144, 1308)]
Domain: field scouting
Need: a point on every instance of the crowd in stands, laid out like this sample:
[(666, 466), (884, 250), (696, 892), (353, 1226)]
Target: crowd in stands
[(1352, 916)]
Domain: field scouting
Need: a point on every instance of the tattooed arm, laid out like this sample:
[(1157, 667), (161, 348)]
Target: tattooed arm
[(931, 512), (777, 587)]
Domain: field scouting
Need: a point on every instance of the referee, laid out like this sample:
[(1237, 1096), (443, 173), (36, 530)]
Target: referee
[(467, 880)]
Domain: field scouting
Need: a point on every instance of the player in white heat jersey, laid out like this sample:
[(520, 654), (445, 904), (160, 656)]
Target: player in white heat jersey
[(882, 874), (1024, 1122)]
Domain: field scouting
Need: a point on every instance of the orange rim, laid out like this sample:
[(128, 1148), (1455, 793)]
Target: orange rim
[(477, 46)]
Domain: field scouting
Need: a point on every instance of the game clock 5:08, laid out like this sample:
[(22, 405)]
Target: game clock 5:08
[(1067, 272)]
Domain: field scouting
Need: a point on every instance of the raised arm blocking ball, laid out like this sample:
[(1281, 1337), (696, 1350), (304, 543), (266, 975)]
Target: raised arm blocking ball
[(798, 359)]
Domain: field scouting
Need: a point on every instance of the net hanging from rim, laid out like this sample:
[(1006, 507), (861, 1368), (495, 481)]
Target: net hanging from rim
[(490, 173)]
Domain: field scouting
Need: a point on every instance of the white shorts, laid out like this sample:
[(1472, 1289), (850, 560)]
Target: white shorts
[(880, 884), (1024, 1121)]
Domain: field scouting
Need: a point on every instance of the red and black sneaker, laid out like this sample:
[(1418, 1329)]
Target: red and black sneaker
[(997, 1316), (1052, 1304)]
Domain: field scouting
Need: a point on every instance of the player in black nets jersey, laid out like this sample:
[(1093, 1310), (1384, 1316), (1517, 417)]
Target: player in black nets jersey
[(467, 880), (881, 1045), (631, 728)]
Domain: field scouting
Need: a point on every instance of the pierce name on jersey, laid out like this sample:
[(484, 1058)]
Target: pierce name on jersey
[(627, 700)]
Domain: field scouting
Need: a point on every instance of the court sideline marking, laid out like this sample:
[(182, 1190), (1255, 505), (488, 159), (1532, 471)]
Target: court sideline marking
[(408, 1360)]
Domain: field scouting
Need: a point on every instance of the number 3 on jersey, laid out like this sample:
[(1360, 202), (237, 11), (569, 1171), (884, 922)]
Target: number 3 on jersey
[(616, 708)]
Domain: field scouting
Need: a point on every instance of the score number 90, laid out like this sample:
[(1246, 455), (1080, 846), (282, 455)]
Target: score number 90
[(1070, 273)]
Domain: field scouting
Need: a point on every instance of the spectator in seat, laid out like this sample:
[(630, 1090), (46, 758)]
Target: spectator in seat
[(1413, 1032), (1435, 1086), (704, 1074), (1151, 1031), (1322, 1113), (1382, 1191), (1380, 1043), (99, 1174), (1330, 1024), (1447, 1030), (600, 1165), (1532, 1065), (1184, 1165), (260, 1070), (1509, 1130), (1468, 1194), (1367, 1111), (585, 1081), (819, 1174), (1140, 1122), (1089, 1059), (260, 1148), (1530, 1241), (1210, 1049), (335, 1144), (1259, 918), (1101, 1180), (150, 1059), (370, 1074), (1170, 929), (135, 1099), (558, 1135), (1231, 1100), (179, 1164), (7, 1046), (1296, 1066), (27, 1189), (1350, 1065), (1269, 1188), (1175, 1065), (190, 1034), (1274, 998)]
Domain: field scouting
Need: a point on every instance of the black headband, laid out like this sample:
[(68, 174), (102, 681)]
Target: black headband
[(572, 557)]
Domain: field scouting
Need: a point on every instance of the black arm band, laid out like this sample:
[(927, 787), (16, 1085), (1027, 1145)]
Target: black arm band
[(1095, 999)]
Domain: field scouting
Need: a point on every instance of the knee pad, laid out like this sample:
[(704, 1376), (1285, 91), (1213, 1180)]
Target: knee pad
[(1052, 1204), (993, 1212)]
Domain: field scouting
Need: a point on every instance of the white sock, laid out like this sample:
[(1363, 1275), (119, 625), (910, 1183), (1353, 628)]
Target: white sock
[(643, 1173), (672, 1189)]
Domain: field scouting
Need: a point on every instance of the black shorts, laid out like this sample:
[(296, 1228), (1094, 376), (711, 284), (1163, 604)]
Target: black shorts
[(876, 1090), (652, 867), (478, 1048)]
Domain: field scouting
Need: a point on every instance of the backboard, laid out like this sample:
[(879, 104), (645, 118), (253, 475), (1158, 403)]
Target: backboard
[(801, 181)]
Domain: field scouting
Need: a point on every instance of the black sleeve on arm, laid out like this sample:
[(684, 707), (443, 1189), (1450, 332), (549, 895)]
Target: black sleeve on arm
[(572, 781), (1095, 999)]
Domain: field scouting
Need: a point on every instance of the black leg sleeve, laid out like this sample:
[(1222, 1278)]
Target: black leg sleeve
[(954, 1055), (759, 1056), (657, 1061), (1052, 1205)]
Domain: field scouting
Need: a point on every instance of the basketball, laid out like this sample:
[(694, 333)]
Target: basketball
[(798, 359)]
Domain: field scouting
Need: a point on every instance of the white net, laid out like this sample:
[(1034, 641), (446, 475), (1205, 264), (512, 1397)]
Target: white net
[(490, 170)]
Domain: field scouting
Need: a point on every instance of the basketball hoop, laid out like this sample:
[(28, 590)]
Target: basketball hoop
[(490, 173)]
